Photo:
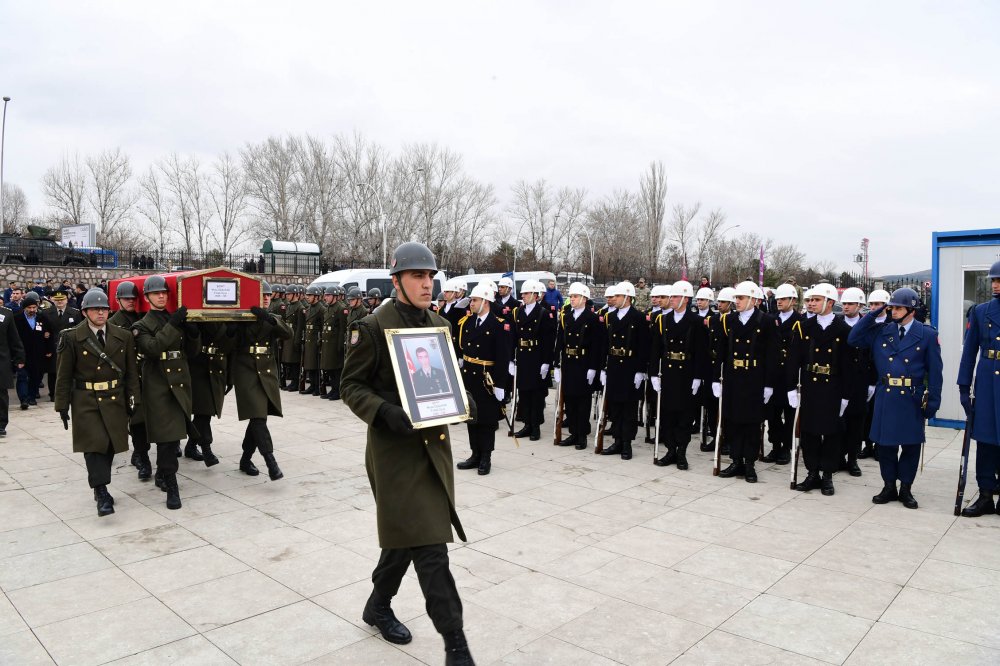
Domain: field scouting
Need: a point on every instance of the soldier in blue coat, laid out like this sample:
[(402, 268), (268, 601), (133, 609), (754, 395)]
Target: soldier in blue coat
[(907, 359), (982, 339)]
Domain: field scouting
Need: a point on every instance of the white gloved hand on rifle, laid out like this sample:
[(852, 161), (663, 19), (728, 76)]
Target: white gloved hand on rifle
[(604, 377), (639, 377), (793, 399), (655, 381), (768, 392), (557, 375), (510, 368), (591, 375), (843, 406), (498, 392), (545, 370), (695, 385), (717, 389)]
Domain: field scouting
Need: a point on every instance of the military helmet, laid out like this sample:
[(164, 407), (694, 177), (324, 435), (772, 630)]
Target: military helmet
[(853, 295), (392, 294), (31, 298), (827, 291), (786, 291), (626, 288), (484, 290), (726, 295), (505, 282), (660, 290), (313, 290), (278, 288), (353, 293), (994, 270), (905, 297), (265, 288), (705, 293), (682, 288), (95, 298), (126, 289), (412, 257), (878, 296), (579, 289), (330, 291), (745, 288), (374, 292), (440, 296), (153, 284)]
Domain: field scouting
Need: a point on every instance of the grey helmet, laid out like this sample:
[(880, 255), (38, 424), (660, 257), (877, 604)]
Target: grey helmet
[(278, 288), (412, 257), (153, 284), (313, 290), (331, 290), (353, 292), (374, 292), (265, 288), (125, 289), (392, 294), (96, 298)]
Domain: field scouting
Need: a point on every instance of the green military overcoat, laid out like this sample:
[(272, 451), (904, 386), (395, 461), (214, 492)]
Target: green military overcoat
[(313, 327), (255, 370), (291, 349), (209, 370), (125, 320), (334, 330), (99, 415), (411, 476), (166, 379)]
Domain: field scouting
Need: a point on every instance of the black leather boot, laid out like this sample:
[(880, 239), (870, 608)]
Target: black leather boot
[(906, 497), (456, 649), (379, 614), (569, 441), (472, 462), (627, 451), (749, 473), (105, 503), (982, 505), (852, 467), (191, 451), (485, 463), (669, 458), (887, 495), (173, 493), (145, 467), (613, 450), (158, 480), (536, 434), (734, 469), (581, 443), (210, 458), (866, 451), (135, 458), (177, 450), (523, 432), (273, 470), (247, 466), (826, 486), (811, 482), (784, 456), (772, 455), (682, 461)]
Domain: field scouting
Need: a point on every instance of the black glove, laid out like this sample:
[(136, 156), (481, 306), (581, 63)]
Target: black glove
[(965, 398), (395, 419), (179, 316), (261, 314), (473, 409), (64, 415)]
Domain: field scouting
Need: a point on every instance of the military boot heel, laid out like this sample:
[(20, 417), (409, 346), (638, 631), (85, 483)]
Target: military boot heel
[(983, 505), (379, 614), (191, 451), (210, 458), (456, 649), (273, 470), (145, 467), (173, 492)]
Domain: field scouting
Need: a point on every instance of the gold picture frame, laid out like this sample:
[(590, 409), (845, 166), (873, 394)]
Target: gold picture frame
[(430, 384)]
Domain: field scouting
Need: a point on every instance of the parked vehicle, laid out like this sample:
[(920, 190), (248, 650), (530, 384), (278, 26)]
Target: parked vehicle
[(367, 279), (39, 252)]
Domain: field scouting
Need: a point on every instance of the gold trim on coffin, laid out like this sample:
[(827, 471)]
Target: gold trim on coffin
[(214, 313)]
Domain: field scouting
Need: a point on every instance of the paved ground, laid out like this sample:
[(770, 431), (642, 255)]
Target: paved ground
[(572, 558)]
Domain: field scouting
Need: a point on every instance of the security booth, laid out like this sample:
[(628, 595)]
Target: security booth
[(287, 257), (960, 262)]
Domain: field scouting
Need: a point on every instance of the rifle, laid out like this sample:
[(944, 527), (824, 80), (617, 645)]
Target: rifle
[(761, 453), (513, 400), (923, 410), (602, 419), (963, 465), (560, 406), (490, 386), (796, 434), (659, 403), (302, 352), (718, 434)]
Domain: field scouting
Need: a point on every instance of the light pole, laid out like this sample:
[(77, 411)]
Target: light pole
[(3, 135), (590, 242), (711, 265), (381, 214)]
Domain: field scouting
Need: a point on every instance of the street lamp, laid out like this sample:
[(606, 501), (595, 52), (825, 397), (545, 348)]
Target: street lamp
[(3, 134), (590, 242), (381, 214), (711, 265)]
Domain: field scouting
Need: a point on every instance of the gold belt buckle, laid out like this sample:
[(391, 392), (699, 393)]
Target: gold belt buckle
[(258, 350), (820, 369), (900, 381), (991, 353), (170, 355), (676, 356), (740, 363), (211, 350), (101, 386)]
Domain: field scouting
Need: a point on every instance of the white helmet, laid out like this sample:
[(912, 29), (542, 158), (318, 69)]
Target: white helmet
[(706, 293), (612, 291), (682, 288), (660, 290), (506, 282), (827, 291), (536, 286), (726, 294), (786, 291), (879, 296), (853, 295), (579, 289), (484, 290), (527, 287), (758, 293), (626, 288), (460, 285), (808, 293), (746, 288)]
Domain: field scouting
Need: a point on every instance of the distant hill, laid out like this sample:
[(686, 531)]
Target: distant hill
[(918, 276)]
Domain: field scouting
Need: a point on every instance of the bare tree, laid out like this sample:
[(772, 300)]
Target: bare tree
[(364, 166), (227, 191), (786, 260), (15, 209), (683, 234), (535, 213), (110, 193), (64, 186), (708, 237), (175, 175), (613, 221), (155, 205), (276, 187), (653, 202)]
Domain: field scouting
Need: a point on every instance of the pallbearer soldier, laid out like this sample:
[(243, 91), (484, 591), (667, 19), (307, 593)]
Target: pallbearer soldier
[(291, 349), (505, 303), (876, 301), (819, 360), (746, 361), (312, 327), (334, 329), (579, 355), (625, 370), (278, 308), (409, 470), (165, 341), (679, 363), (209, 380), (484, 342), (861, 379), (127, 294), (98, 379), (724, 303), (255, 378), (780, 414), (659, 298), (981, 339), (907, 358), (534, 345)]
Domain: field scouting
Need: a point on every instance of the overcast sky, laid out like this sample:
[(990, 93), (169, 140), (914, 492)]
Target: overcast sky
[(817, 123)]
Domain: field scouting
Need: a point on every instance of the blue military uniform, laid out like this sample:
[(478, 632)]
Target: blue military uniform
[(907, 367)]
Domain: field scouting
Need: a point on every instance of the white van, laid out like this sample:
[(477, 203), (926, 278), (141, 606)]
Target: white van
[(475, 278), (366, 279)]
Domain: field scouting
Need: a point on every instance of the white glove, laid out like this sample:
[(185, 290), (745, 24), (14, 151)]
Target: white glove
[(871, 393), (498, 392), (545, 370), (591, 374), (510, 368), (717, 389), (793, 399), (604, 377), (655, 381), (461, 363), (557, 375), (768, 392), (638, 379), (695, 385), (843, 406)]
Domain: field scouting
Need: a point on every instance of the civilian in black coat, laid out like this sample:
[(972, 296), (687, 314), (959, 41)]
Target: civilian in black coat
[(11, 354), (39, 347)]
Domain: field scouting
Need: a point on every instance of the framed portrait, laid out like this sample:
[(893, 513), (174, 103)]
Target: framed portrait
[(427, 376)]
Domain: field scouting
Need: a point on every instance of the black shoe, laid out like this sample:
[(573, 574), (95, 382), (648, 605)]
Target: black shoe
[(784, 456), (173, 493), (485, 464), (52, 398), (208, 455), (159, 482), (144, 468), (734, 469), (456, 650), (523, 432), (866, 452), (472, 462), (772, 456), (749, 473), (247, 466), (379, 614), (536, 434), (906, 497), (981, 506), (3, 432), (887, 495), (613, 450), (852, 468), (191, 451), (24, 406), (177, 451), (273, 470), (627, 451), (569, 441), (333, 395), (669, 458), (707, 445), (135, 458), (875, 452), (33, 403), (105, 502), (682, 461), (811, 482), (826, 485), (581, 444)]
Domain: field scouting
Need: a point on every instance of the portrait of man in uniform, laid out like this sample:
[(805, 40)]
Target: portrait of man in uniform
[(429, 379)]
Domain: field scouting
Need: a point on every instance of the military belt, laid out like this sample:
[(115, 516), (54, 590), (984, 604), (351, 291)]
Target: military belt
[(527, 344), (259, 350), (675, 356), (818, 369), (97, 386), (899, 381), (620, 351), (744, 363), (573, 352), (309, 327), (477, 361), (993, 353), (171, 355)]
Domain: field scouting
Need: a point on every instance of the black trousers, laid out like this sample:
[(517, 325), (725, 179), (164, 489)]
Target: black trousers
[(291, 373), (821, 453), (257, 437), (166, 452), (675, 426), (780, 424), (482, 438), (576, 409), (987, 467), (203, 424), (444, 607), (854, 432), (743, 440), (624, 424), (711, 412), (99, 466), (531, 407), (899, 462), (4, 408)]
